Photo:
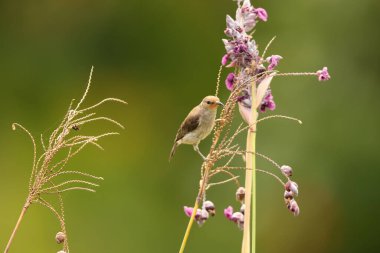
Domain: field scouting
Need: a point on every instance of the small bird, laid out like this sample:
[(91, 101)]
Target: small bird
[(197, 125)]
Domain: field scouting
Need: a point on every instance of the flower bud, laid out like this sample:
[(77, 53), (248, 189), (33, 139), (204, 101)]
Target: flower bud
[(292, 186), (228, 212), (293, 207), (188, 210), (209, 207), (238, 218), (323, 74), (288, 195), (204, 215), (242, 208), (286, 170), (240, 194), (60, 237)]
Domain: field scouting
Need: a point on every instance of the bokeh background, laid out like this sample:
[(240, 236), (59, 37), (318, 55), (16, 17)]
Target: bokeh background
[(162, 57)]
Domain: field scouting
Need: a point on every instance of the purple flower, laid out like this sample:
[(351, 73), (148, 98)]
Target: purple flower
[(268, 102), (286, 170), (273, 61), (292, 186), (225, 59), (228, 212), (261, 14), (293, 207), (323, 75), (230, 81)]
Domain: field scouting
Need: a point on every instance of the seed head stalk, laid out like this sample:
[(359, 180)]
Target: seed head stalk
[(22, 214), (189, 226), (47, 169)]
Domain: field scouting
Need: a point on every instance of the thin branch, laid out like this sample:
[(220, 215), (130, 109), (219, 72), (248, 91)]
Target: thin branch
[(68, 182), (87, 89), (14, 126), (271, 174), (267, 47), (102, 102), (101, 118), (223, 182)]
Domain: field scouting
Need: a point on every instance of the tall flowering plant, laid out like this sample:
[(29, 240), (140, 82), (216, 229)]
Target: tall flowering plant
[(249, 83)]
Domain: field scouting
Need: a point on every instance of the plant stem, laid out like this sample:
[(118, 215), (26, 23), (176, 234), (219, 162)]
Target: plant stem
[(252, 147), (23, 211), (250, 182), (188, 229), (248, 185), (253, 202)]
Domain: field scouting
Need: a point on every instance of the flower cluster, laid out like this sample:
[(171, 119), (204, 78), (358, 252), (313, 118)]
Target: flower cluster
[(237, 217), (241, 49), (242, 54), (201, 215), (291, 191), (323, 75)]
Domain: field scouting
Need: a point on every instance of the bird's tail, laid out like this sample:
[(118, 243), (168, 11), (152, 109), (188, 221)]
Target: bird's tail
[(173, 151)]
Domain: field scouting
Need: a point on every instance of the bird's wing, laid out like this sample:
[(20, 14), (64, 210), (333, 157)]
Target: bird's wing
[(188, 125)]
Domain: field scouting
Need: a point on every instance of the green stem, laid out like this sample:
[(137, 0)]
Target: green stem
[(252, 147), (253, 201)]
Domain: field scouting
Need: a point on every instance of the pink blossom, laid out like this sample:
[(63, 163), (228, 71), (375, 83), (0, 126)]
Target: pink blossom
[(323, 75), (230, 81), (188, 210), (268, 102), (225, 59), (261, 14), (273, 61)]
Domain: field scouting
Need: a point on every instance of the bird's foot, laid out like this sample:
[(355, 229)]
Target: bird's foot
[(200, 153)]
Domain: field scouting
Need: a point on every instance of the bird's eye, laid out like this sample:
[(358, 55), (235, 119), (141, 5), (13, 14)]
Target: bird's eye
[(208, 102)]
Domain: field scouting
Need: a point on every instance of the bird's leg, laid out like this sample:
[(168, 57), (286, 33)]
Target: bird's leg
[(196, 148)]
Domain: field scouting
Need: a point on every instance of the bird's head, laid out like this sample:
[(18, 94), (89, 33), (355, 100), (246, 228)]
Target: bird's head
[(211, 102)]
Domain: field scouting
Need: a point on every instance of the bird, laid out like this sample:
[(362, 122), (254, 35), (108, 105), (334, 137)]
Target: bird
[(197, 125)]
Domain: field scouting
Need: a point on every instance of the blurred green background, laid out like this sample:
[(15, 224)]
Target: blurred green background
[(163, 57)]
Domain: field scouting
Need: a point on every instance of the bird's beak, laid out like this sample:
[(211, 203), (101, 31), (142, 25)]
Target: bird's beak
[(219, 103)]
